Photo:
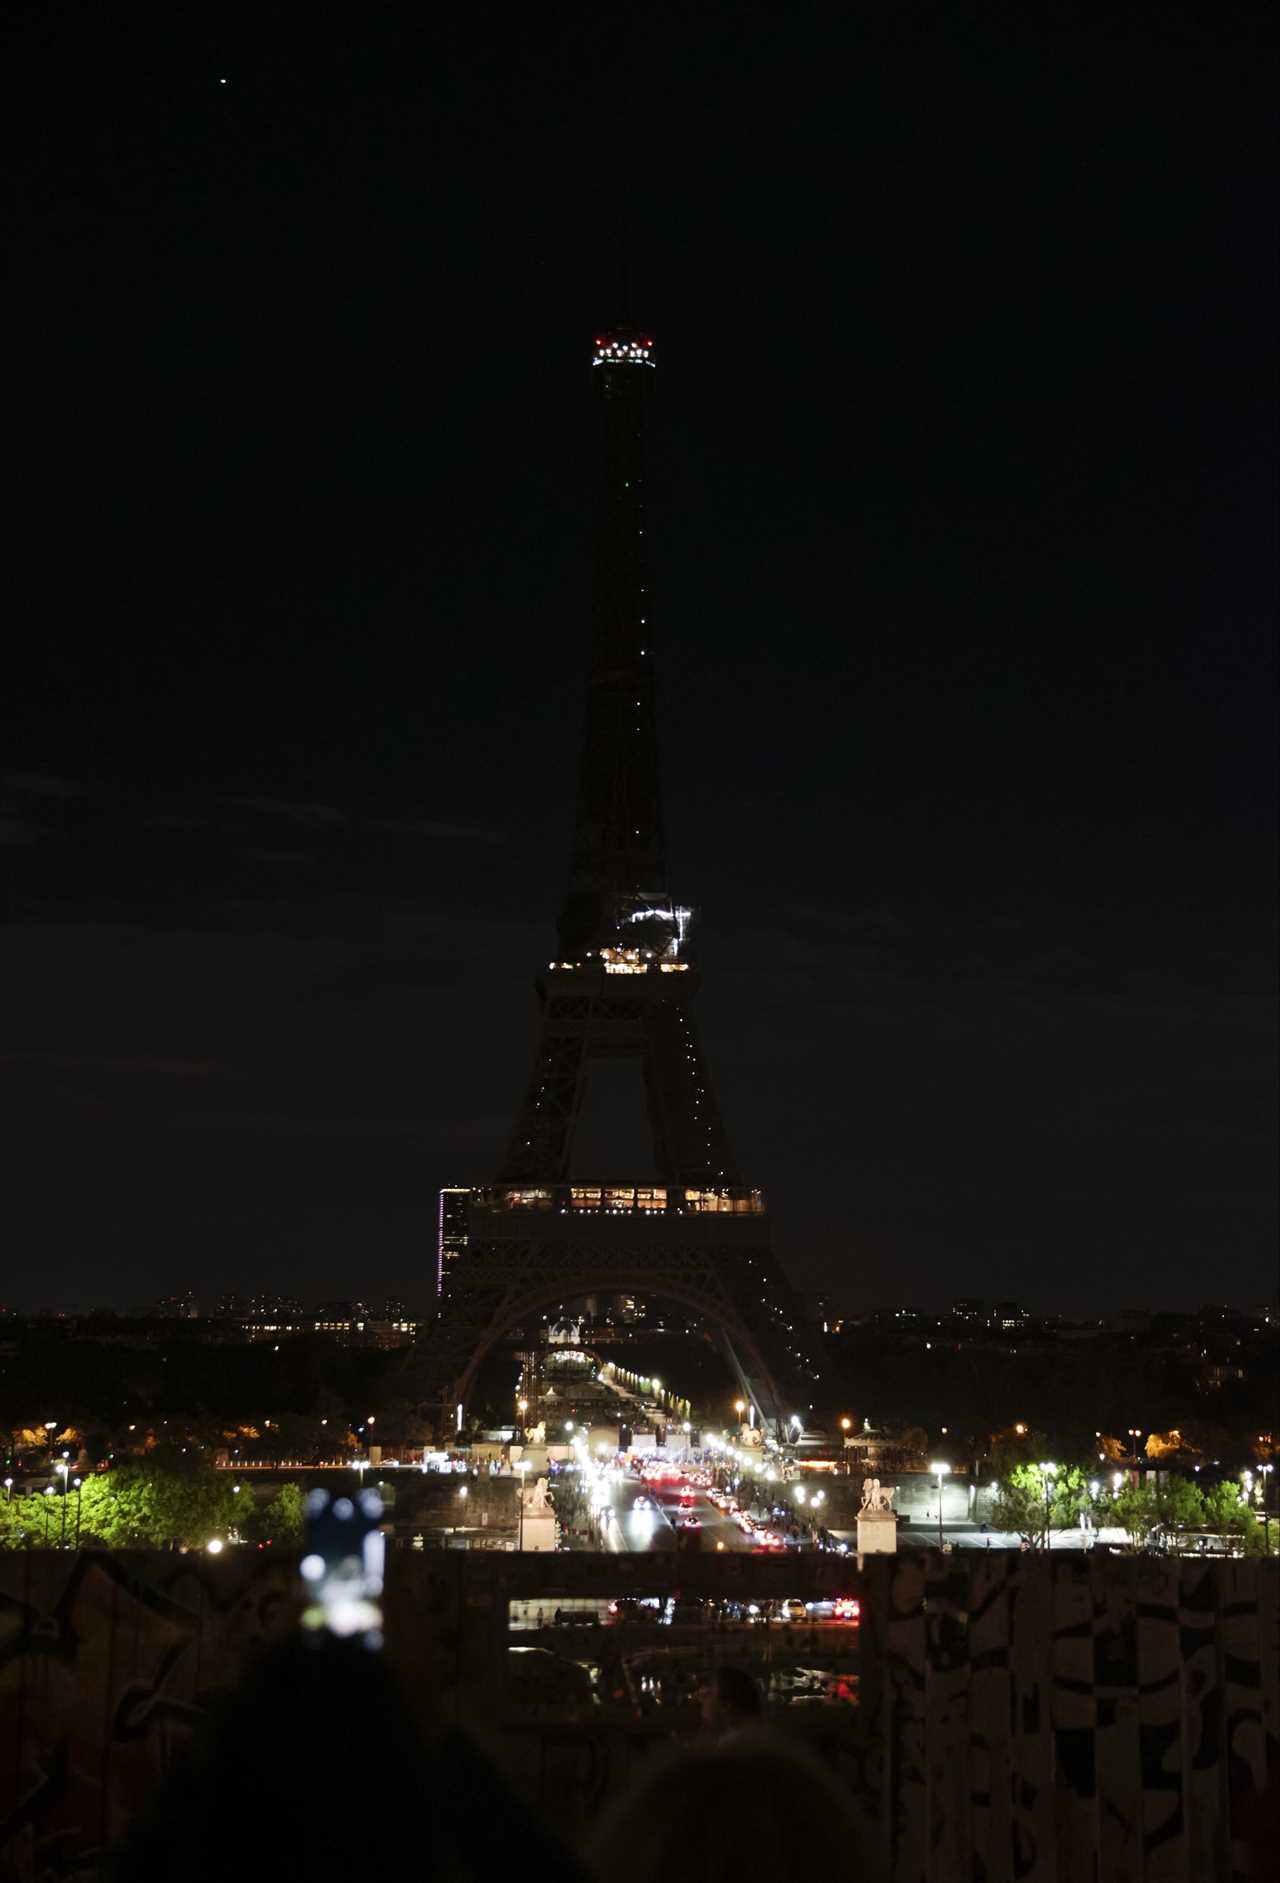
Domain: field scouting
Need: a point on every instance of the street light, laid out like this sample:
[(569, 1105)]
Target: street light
[(939, 1471), (8, 1485), (522, 1465), (1264, 1472), (62, 1468), (1047, 1473), (79, 1494)]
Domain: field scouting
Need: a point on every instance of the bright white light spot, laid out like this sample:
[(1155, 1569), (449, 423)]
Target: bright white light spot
[(312, 1567)]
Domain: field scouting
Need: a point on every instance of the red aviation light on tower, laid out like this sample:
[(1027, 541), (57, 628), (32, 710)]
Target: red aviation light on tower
[(623, 346)]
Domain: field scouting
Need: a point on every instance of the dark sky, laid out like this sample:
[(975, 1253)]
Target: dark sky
[(963, 529)]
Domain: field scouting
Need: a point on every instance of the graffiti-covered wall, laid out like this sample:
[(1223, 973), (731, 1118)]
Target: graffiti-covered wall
[(1084, 1717)]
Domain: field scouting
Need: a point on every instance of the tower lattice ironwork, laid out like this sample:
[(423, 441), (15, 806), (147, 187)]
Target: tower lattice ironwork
[(622, 984)]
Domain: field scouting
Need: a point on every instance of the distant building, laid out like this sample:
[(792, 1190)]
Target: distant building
[(341, 1326), (391, 1332), (267, 1305), (1010, 1316), (264, 1305), (453, 1230), (350, 1324), (971, 1309), (182, 1307)]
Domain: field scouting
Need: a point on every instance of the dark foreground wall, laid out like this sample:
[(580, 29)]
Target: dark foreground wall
[(1014, 1717)]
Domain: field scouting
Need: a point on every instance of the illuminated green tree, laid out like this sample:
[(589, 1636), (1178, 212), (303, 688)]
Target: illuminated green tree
[(1227, 1513), (279, 1520), (1021, 1505), (24, 1522), (168, 1499), (117, 1509), (1156, 1515)]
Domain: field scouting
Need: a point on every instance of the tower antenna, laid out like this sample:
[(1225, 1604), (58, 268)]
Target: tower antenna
[(623, 240)]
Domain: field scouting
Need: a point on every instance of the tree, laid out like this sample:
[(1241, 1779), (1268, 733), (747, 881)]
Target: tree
[(284, 1514), (171, 1498), (22, 1522), (1021, 1506), (1228, 1513), (117, 1508), (277, 1521), (1155, 1514)]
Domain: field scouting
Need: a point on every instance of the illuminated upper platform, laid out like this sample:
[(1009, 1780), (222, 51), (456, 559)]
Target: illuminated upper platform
[(621, 961), (615, 1199), (624, 346), (641, 935)]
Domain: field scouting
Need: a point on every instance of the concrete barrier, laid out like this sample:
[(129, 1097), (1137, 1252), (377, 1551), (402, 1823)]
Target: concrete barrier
[(1004, 1715)]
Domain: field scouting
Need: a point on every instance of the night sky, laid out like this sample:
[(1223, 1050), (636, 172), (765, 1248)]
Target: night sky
[(963, 536)]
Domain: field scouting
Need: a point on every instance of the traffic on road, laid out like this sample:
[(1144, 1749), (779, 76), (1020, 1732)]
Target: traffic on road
[(666, 1507)]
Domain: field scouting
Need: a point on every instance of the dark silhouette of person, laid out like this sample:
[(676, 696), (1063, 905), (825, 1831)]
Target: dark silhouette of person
[(748, 1809), (310, 1771), (731, 1701)]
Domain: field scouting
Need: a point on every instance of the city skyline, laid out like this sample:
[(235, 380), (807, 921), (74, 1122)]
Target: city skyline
[(960, 505)]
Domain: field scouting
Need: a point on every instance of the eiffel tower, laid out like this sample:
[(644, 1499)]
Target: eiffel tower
[(622, 984)]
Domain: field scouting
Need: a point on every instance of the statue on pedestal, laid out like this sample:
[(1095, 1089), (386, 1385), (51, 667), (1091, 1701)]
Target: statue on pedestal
[(877, 1521), (876, 1501), (536, 1501)]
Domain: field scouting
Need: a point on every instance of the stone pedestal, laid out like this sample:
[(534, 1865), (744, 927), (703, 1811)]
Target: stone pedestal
[(877, 1533), (537, 1525), (537, 1532)]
